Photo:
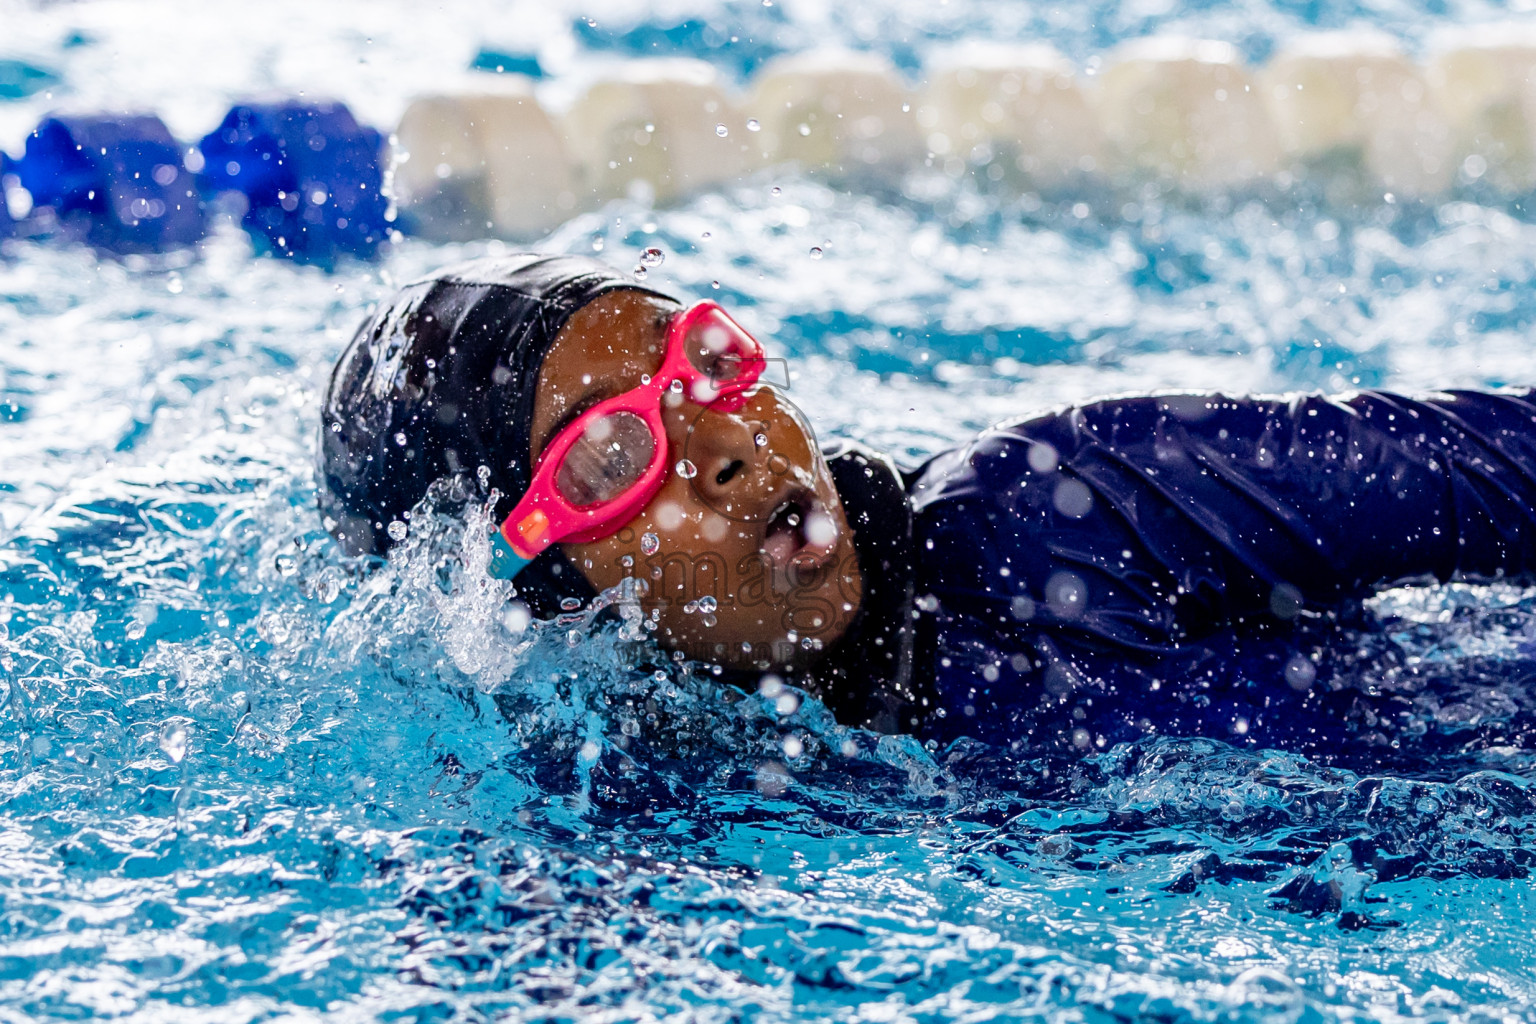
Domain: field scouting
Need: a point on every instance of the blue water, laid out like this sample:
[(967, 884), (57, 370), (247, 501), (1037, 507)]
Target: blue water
[(245, 778)]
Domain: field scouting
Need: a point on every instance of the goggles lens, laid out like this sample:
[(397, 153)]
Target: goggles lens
[(606, 460), (721, 350)]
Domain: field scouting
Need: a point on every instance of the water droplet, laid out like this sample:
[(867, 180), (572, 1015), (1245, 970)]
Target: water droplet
[(820, 529), (272, 628), (686, 469), (649, 543), (590, 750), (598, 242), (708, 604), (135, 630), (815, 252), (793, 747), (516, 617), (1072, 498), (773, 779), (1300, 673), (400, 438), (787, 704), (722, 131), (640, 273), (570, 604), (804, 130), (652, 257), (753, 125), (1285, 601), (676, 387), (286, 564), (775, 191), (761, 440), (327, 587), (397, 530), (1066, 594), (173, 740)]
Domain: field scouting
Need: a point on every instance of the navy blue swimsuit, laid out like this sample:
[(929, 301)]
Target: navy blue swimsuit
[(1174, 565)]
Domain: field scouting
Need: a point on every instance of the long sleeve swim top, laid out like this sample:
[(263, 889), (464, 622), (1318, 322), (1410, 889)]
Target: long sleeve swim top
[(1164, 564)]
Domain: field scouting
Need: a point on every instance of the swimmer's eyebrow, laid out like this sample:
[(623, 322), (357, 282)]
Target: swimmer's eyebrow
[(601, 393)]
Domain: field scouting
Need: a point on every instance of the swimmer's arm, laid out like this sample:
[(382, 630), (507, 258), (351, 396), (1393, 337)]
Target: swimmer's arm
[(1330, 499)]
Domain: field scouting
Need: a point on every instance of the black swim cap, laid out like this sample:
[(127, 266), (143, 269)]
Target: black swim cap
[(441, 380)]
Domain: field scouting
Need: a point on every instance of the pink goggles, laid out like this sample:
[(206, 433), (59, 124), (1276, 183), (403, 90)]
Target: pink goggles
[(603, 467)]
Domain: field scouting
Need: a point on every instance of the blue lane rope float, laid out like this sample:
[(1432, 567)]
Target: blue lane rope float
[(312, 177), (117, 181)]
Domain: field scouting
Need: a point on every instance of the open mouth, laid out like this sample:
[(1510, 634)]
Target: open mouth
[(800, 532)]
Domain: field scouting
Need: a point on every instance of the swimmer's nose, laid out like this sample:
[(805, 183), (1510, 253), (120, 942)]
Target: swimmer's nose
[(726, 455)]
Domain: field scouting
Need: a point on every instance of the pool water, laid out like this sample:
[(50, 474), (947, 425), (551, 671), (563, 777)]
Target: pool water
[(243, 777)]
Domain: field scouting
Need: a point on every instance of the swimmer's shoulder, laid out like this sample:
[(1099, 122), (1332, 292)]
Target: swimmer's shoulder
[(868, 481)]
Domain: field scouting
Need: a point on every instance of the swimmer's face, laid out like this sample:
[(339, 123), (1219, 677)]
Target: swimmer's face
[(758, 528)]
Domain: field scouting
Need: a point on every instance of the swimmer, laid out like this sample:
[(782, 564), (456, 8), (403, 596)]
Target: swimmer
[(1169, 564)]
